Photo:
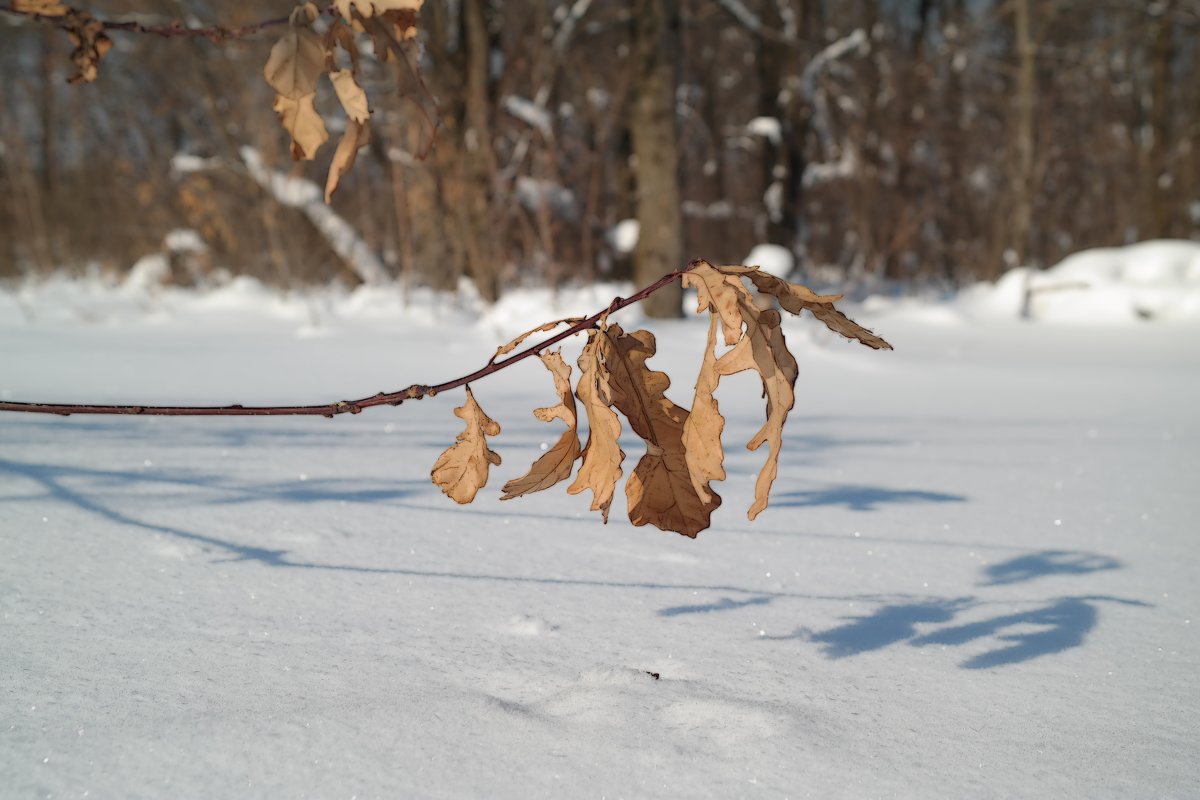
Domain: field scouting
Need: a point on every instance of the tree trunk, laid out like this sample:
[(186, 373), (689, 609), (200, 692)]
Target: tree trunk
[(479, 166), (660, 219), (1159, 190), (1023, 117)]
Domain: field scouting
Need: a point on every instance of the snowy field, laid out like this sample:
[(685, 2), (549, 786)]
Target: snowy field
[(979, 575)]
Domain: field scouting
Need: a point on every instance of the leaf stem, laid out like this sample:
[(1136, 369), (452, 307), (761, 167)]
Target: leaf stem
[(414, 392)]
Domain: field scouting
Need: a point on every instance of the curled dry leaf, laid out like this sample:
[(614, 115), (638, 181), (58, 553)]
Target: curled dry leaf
[(602, 456), (555, 464), (351, 95), (704, 426), (302, 122), (298, 58), (462, 470), (91, 44), (761, 348), (504, 349), (795, 298), (357, 136), (293, 69), (660, 490)]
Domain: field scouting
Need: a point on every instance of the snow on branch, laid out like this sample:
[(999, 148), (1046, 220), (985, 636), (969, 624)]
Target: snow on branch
[(305, 196)]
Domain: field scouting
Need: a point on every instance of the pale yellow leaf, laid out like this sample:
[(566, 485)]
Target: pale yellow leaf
[(660, 490), (356, 136), (462, 470), (296, 61), (555, 464), (303, 123), (351, 95), (602, 456)]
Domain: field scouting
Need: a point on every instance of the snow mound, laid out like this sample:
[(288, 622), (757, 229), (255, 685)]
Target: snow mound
[(1155, 280), (773, 259)]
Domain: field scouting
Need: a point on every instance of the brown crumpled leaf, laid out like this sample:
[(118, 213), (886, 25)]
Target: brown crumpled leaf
[(602, 456), (761, 348), (795, 298), (660, 490), (555, 464), (462, 470), (369, 8), (293, 69), (356, 137), (45, 8), (91, 44)]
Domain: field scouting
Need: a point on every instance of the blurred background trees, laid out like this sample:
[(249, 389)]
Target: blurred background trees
[(913, 142)]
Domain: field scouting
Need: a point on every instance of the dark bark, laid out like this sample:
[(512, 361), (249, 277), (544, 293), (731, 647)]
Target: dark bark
[(653, 131)]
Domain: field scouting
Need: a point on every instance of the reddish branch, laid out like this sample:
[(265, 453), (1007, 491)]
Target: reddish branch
[(414, 392), (215, 33)]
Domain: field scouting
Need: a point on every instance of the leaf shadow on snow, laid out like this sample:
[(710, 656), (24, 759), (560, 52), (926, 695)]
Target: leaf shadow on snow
[(1047, 562), (861, 498), (1061, 624)]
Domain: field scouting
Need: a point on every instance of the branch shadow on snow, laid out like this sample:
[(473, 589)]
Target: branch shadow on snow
[(861, 498), (54, 482)]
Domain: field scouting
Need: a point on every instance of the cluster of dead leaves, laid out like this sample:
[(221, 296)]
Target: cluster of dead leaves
[(302, 56), (86, 34), (670, 487)]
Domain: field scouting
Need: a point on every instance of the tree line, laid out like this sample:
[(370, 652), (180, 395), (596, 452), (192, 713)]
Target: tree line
[(900, 141)]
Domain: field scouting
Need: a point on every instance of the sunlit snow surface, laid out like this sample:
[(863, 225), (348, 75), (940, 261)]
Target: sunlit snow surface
[(977, 576)]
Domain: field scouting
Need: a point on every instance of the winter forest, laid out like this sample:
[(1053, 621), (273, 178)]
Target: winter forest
[(922, 142), (362, 363)]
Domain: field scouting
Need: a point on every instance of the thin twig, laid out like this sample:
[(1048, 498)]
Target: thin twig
[(215, 33), (414, 392)]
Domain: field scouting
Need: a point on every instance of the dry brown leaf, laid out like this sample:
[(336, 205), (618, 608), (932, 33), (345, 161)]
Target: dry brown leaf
[(91, 44), (704, 426), (504, 349), (369, 8), (555, 464), (298, 58), (462, 470), (351, 95), (357, 136), (795, 298), (303, 123), (660, 490), (602, 456), (45, 8), (761, 348)]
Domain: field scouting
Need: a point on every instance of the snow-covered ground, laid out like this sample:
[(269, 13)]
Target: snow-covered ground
[(978, 576)]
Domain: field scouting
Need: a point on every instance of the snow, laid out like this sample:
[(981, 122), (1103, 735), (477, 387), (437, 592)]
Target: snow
[(772, 258), (624, 236), (1155, 280), (766, 127), (531, 113), (976, 577), (306, 196)]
